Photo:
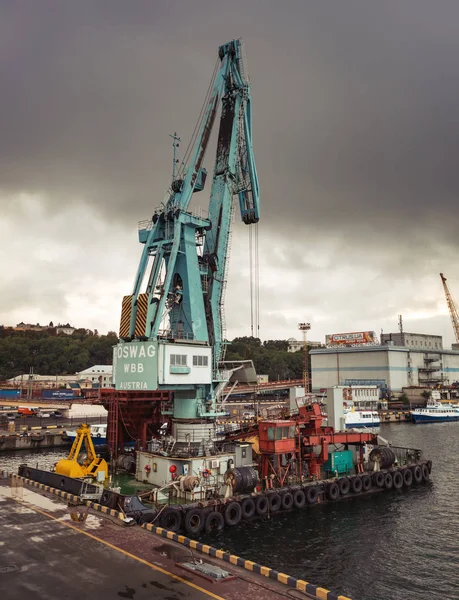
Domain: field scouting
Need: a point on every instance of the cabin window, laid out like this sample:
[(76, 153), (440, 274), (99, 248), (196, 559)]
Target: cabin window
[(200, 361), (178, 360)]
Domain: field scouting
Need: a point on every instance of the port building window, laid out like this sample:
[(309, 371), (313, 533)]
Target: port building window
[(178, 360), (200, 361)]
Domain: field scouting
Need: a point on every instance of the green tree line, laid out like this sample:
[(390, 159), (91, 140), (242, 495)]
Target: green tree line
[(269, 358), (52, 354)]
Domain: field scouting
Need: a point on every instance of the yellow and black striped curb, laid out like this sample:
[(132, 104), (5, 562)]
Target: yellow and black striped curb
[(104, 509), (45, 427), (47, 488), (298, 584), (70, 497)]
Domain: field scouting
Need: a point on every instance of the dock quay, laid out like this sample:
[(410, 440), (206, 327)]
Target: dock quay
[(395, 416), (34, 439), (116, 560)]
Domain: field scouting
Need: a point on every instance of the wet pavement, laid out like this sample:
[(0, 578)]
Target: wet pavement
[(47, 553)]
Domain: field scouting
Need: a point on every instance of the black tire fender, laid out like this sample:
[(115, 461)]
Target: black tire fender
[(287, 500), (388, 481), (261, 505), (248, 508), (366, 482), (356, 484), (417, 474), (214, 521), (407, 477), (425, 473), (233, 513), (299, 499), (397, 479), (344, 486), (147, 517), (333, 491), (275, 502), (195, 520), (312, 494), (378, 479), (170, 519)]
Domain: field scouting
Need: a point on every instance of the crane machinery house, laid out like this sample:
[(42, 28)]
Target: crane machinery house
[(172, 326)]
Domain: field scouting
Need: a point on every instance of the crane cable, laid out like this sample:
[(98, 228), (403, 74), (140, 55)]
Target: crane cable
[(254, 281), (199, 121)]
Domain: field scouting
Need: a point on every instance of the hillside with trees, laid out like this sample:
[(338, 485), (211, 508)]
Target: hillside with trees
[(270, 357), (50, 353)]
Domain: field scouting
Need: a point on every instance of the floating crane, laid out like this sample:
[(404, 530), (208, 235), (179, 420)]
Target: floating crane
[(451, 307), (172, 326)]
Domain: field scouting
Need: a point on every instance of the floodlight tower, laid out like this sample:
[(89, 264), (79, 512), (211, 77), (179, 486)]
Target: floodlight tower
[(305, 327)]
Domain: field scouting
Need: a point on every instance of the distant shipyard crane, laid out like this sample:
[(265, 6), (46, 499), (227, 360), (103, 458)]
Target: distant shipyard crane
[(451, 307), (172, 327)]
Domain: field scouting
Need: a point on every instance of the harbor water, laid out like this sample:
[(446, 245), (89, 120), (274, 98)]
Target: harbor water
[(387, 546)]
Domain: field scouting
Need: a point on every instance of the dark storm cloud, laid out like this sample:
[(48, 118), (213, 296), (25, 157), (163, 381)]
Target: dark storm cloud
[(356, 126), (355, 103)]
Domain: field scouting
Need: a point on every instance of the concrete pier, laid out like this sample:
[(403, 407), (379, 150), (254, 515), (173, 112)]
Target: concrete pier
[(33, 440), (52, 551)]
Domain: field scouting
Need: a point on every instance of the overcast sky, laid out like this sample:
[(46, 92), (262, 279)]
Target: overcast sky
[(356, 139)]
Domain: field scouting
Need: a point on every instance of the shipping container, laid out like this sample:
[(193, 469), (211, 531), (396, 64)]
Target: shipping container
[(58, 394), (9, 393)]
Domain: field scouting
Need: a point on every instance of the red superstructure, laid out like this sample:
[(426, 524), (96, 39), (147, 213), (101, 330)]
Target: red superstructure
[(132, 416), (298, 447)]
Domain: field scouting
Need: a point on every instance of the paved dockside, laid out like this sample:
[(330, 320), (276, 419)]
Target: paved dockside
[(114, 547)]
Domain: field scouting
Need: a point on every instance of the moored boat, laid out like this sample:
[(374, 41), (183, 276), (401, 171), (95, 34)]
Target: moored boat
[(435, 412), (98, 434), (361, 418)]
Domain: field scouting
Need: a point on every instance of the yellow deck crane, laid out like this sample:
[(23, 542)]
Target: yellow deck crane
[(452, 308), (92, 466)]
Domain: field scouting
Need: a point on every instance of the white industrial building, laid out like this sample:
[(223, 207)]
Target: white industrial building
[(395, 366), (97, 374), (295, 345), (418, 341)]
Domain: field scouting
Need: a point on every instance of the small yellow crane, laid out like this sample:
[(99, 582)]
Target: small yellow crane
[(92, 466), (451, 307)]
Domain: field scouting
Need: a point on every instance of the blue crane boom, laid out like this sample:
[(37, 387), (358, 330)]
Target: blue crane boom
[(177, 297)]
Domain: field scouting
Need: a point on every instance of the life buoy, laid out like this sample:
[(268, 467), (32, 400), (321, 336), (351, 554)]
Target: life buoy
[(206, 473), (147, 469)]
